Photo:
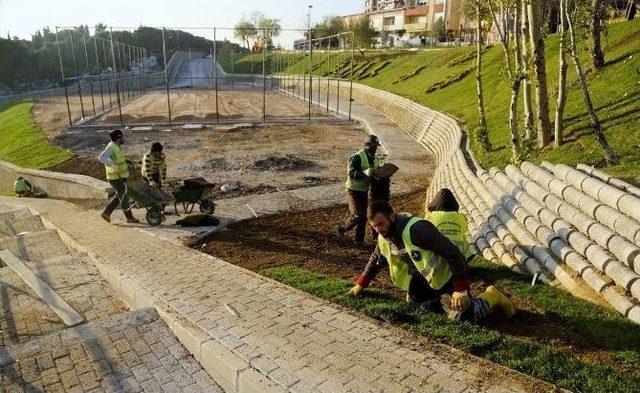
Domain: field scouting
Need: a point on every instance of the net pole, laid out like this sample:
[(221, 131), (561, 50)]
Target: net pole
[(328, 71), (310, 77), (104, 53), (215, 70), (64, 84), (86, 60), (264, 81), (166, 76), (75, 70), (115, 68), (95, 49), (353, 45)]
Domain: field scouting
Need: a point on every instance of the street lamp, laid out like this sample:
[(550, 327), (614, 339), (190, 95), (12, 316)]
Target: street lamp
[(309, 16)]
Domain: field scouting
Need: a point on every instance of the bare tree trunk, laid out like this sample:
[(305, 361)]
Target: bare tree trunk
[(514, 82), (631, 10), (526, 88), (539, 66), (562, 77), (597, 56), (609, 155), (482, 132)]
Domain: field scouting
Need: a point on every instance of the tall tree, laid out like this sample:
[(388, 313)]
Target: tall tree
[(539, 67), (630, 12), (562, 77), (244, 31), (609, 155), (364, 35), (515, 75), (595, 24), (525, 67), (475, 10)]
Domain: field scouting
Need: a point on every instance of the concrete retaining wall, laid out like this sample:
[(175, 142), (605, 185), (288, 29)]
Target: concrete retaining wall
[(56, 185), (570, 228)]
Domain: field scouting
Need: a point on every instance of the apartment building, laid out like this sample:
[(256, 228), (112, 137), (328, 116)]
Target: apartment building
[(401, 22)]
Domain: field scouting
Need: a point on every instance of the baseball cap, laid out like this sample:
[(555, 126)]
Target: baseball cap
[(373, 140)]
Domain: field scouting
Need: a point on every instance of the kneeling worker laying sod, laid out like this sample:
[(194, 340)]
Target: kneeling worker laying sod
[(427, 265)]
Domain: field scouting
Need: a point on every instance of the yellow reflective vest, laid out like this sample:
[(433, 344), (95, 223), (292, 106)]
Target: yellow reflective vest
[(360, 184), (431, 266), (398, 270), (119, 169), (454, 226)]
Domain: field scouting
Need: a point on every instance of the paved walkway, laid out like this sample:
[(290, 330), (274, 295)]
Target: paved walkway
[(253, 334)]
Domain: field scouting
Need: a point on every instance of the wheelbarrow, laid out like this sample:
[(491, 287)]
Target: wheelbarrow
[(150, 198), (192, 192)]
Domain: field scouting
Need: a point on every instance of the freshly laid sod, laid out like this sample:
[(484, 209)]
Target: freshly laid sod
[(23, 143), (616, 336)]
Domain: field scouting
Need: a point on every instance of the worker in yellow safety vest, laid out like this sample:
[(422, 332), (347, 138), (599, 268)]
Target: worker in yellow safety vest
[(424, 263), (113, 159), (360, 167)]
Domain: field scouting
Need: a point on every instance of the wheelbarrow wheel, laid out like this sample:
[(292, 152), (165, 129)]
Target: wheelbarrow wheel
[(154, 217), (207, 206)]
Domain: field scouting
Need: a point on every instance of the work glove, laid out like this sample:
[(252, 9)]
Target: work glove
[(368, 172), (460, 301), (153, 184), (356, 290)]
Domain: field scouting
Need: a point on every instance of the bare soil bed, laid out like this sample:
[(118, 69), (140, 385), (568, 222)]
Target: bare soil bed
[(250, 159), (199, 105), (307, 240)]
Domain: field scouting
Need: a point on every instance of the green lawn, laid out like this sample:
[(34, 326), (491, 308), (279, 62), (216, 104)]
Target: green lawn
[(23, 143), (615, 93), (615, 336)]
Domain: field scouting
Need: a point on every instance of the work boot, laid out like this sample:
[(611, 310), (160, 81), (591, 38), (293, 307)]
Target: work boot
[(132, 220), (497, 299), (339, 231), (106, 217)]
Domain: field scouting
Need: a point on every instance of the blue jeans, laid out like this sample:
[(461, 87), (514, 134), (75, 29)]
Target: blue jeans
[(121, 198)]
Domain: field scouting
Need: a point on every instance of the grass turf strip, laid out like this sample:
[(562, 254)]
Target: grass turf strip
[(616, 334)]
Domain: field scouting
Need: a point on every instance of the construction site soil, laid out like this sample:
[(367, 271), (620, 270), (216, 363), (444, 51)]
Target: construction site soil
[(307, 240), (248, 159)]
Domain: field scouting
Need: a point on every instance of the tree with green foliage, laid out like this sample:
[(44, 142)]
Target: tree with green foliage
[(536, 38), (268, 29), (245, 31), (439, 33), (364, 35), (609, 155), (475, 10)]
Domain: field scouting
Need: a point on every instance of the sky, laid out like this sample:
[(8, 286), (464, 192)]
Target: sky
[(23, 17)]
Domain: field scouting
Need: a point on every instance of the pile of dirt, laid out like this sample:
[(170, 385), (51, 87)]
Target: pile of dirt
[(210, 166), (88, 166), (287, 162)]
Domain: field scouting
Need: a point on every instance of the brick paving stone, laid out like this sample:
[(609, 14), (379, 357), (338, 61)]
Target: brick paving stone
[(296, 318), (79, 367)]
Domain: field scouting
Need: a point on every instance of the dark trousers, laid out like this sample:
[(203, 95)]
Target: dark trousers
[(358, 201), (156, 178), (420, 292), (121, 198)]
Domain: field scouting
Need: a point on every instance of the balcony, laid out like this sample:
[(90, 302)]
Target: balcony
[(415, 27)]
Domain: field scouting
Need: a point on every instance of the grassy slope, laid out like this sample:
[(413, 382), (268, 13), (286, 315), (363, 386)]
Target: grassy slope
[(23, 143), (613, 332), (615, 93)]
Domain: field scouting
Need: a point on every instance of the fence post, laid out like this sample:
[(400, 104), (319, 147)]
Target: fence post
[(310, 68), (95, 48), (75, 70), (215, 71), (64, 84), (166, 77), (115, 69), (86, 58)]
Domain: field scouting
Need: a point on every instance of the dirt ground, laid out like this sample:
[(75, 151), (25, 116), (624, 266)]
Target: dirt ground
[(251, 159), (199, 105), (307, 240)]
